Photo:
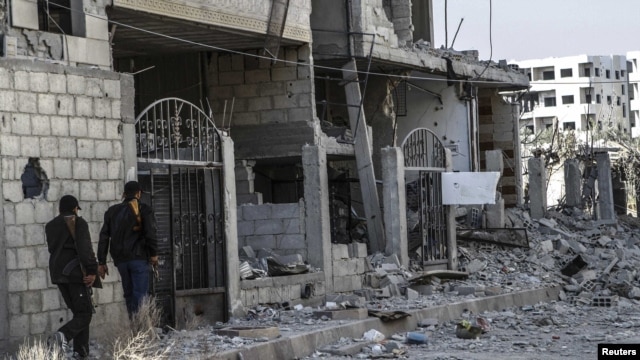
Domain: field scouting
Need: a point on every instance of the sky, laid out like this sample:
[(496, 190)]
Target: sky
[(536, 29)]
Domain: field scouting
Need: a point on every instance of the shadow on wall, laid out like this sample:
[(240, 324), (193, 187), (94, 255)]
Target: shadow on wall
[(35, 182)]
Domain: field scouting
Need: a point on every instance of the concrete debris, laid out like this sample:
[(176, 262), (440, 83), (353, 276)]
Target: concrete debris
[(268, 263), (596, 265)]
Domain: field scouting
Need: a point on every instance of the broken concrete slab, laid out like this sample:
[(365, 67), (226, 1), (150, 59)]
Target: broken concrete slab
[(269, 332), (342, 314)]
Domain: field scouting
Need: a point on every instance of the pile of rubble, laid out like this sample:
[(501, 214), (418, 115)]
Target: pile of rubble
[(594, 261)]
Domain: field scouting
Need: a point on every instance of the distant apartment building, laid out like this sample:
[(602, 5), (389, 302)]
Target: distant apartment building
[(633, 57), (578, 92)]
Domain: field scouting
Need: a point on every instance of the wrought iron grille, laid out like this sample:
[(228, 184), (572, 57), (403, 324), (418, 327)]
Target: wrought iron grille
[(423, 149), (174, 130), (426, 218)]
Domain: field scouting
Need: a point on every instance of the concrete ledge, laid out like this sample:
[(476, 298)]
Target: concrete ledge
[(304, 344)]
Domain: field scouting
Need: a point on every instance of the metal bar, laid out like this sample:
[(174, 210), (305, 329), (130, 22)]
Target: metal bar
[(190, 227), (181, 163)]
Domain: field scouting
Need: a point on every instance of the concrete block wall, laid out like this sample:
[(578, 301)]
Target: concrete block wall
[(498, 130), (89, 44), (70, 119), (264, 92), (273, 102), (276, 290), (280, 227), (349, 266)]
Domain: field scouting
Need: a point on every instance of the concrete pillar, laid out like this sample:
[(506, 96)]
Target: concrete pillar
[(4, 291), (452, 245), (317, 220), (394, 200), (572, 183), (494, 161), (606, 210), (537, 188), (495, 212), (235, 306)]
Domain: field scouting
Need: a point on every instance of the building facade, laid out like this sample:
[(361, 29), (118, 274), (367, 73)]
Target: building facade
[(262, 124), (577, 91), (633, 61)]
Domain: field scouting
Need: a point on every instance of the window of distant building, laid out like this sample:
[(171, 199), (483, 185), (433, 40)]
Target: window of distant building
[(622, 73), (587, 98), (566, 73), (618, 101), (598, 101), (530, 128), (617, 75), (587, 72), (608, 99), (624, 110), (607, 74), (549, 101), (548, 75), (597, 72), (622, 89), (569, 125), (567, 99)]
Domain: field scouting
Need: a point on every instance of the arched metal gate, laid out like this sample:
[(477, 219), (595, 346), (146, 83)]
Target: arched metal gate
[(425, 161), (180, 166)]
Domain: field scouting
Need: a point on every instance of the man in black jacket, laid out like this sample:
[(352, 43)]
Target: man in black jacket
[(73, 267), (129, 235)]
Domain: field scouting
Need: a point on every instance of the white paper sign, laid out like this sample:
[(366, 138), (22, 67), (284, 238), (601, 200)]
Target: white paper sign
[(469, 188)]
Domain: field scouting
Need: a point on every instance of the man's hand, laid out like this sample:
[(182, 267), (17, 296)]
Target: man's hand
[(153, 260), (88, 280), (103, 270)]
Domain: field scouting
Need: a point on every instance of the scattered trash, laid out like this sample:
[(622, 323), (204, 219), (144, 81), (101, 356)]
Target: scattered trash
[(373, 335), (414, 337)]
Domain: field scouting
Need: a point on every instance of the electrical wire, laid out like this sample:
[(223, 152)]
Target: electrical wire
[(291, 62)]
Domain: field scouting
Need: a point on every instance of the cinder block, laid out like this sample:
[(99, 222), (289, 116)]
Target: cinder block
[(17, 280), (19, 325), (102, 108), (30, 146), (339, 251), (465, 290), (106, 190), (38, 323), (88, 191), (268, 227), (357, 250), (57, 83), (25, 213), (104, 150), (81, 170), (285, 211), (78, 127), (342, 314), (256, 212), (244, 187)]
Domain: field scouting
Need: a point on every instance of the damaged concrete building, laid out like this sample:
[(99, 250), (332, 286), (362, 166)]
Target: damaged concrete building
[(283, 127)]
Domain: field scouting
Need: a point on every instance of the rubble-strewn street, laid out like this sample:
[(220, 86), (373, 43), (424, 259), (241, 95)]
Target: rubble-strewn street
[(598, 302)]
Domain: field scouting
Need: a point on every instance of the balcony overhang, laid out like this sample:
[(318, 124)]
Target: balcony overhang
[(146, 27)]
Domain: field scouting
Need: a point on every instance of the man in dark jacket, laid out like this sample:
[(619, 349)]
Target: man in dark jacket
[(129, 235), (73, 267)]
